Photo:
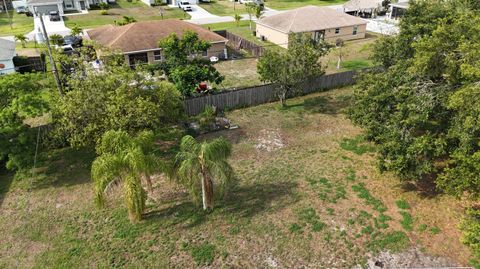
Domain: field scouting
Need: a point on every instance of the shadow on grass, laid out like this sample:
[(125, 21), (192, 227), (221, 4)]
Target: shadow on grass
[(6, 179), (425, 187), (321, 104), (65, 167), (245, 202)]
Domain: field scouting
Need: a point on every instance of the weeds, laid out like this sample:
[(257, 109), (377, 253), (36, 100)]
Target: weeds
[(357, 145), (407, 221), (402, 204), (364, 194)]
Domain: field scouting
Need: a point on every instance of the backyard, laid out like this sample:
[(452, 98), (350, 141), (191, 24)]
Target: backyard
[(308, 195)]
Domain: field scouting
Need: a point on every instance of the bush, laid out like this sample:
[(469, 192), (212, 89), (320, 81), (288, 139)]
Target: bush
[(103, 12), (471, 230)]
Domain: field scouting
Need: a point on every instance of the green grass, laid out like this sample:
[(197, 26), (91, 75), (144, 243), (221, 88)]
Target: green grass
[(135, 9), (407, 221), (224, 7), (290, 4), (357, 145), (21, 24), (402, 204), (274, 210), (357, 64)]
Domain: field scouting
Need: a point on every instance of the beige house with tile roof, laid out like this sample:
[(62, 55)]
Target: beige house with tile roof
[(138, 41), (322, 22)]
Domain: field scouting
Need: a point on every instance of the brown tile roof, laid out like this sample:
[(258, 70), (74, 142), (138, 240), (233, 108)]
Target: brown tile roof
[(310, 18), (145, 35)]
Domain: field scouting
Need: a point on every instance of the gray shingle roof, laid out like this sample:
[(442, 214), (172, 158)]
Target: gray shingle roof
[(310, 18), (7, 49), (43, 2), (354, 5)]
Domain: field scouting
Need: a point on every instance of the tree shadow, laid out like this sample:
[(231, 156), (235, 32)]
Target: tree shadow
[(64, 167), (425, 187), (6, 179), (326, 105), (245, 201)]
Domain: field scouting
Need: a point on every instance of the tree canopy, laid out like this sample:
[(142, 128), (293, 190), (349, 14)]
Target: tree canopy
[(184, 64), (288, 69)]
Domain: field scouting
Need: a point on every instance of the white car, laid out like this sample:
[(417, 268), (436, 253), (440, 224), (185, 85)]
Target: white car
[(185, 6)]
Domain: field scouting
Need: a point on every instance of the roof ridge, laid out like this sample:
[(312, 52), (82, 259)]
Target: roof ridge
[(127, 27), (293, 20)]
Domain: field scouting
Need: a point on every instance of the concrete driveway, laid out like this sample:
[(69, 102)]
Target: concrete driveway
[(52, 27)]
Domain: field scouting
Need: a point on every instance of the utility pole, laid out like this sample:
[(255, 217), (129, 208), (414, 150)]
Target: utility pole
[(10, 18), (54, 66)]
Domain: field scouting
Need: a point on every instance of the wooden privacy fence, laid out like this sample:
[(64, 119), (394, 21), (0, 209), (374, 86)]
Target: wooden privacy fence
[(264, 94), (238, 42)]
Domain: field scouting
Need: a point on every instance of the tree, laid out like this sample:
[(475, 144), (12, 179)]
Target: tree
[(124, 159), (339, 45), (24, 97), (76, 30), (288, 69), (251, 9), (56, 39), (258, 11), (237, 18), (114, 99), (184, 65), (22, 39), (200, 166)]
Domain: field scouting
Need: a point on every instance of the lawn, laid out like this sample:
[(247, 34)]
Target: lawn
[(308, 195), (291, 4), (238, 73), (135, 9), (224, 7), (21, 24)]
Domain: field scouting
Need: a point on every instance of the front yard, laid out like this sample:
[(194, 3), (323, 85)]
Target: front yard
[(224, 7), (308, 195), (21, 24), (135, 9)]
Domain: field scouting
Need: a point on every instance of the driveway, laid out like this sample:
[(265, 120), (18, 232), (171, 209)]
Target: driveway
[(52, 27)]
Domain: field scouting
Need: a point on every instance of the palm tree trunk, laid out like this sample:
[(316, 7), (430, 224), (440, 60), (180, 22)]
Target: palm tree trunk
[(207, 191), (148, 179)]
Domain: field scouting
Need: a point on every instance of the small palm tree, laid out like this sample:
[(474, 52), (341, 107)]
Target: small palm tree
[(56, 39), (258, 12), (22, 39), (237, 18), (123, 159), (199, 165), (76, 30)]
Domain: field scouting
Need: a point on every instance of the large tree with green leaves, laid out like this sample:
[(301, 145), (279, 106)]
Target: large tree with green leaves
[(288, 69), (124, 159), (421, 106), (200, 166), (114, 99), (24, 97), (184, 64)]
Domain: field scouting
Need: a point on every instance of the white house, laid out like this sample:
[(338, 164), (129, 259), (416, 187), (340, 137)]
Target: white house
[(45, 6), (7, 52)]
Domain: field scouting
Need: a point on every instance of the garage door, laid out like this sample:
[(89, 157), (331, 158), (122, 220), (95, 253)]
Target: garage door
[(46, 9)]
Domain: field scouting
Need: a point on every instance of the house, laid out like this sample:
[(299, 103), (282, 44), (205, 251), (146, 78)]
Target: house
[(45, 6), (323, 23), (397, 10), (7, 52), (364, 8), (139, 41)]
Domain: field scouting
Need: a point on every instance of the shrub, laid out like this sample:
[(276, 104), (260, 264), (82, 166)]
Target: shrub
[(103, 12)]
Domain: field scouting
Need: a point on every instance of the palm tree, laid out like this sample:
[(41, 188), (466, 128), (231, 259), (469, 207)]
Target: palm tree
[(198, 165), (237, 18), (76, 30), (56, 39), (22, 39), (123, 159)]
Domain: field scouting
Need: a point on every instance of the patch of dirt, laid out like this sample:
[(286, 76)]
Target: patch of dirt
[(269, 140), (411, 258)]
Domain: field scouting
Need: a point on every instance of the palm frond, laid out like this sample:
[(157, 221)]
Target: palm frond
[(135, 196), (218, 149), (189, 144), (106, 171), (222, 174)]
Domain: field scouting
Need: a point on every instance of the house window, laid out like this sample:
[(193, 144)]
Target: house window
[(337, 31), (137, 58), (355, 30), (157, 56), (205, 53), (318, 35)]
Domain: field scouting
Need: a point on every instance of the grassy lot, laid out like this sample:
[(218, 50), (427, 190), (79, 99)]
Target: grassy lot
[(135, 9), (291, 4), (21, 24), (224, 7), (238, 73), (308, 194)]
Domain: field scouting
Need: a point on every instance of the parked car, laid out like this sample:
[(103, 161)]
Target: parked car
[(21, 9), (28, 13), (67, 49), (74, 41), (54, 16), (185, 6)]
